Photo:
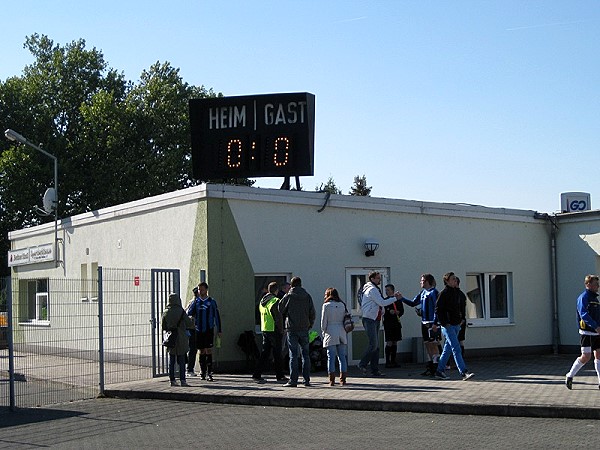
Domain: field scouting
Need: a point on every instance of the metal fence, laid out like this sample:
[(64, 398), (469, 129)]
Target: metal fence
[(68, 342)]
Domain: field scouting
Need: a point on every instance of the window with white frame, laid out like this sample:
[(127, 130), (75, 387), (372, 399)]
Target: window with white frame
[(38, 305), (489, 298), (355, 279)]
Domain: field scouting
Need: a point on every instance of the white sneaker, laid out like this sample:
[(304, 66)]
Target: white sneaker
[(467, 375)]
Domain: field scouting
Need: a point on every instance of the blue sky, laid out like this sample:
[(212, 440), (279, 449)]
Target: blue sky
[(494, 103)]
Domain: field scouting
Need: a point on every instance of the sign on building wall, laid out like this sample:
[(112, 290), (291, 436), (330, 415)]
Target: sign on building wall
[(31, 255)]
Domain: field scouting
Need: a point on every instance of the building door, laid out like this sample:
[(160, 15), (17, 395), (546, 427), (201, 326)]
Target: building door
[(355, 279), (164, 282)]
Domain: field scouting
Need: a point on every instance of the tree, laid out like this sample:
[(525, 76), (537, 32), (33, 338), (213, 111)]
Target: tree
[(330, 187), (360, 187), (115, 141)]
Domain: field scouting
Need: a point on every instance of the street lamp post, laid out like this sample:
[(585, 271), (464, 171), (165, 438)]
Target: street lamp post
[(16, 137)]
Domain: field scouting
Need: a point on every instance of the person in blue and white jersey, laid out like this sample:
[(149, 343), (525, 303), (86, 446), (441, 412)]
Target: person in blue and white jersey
[(588, 319), (425, 302)]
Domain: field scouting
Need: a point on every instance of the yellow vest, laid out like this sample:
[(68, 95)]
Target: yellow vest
[(267, 323)]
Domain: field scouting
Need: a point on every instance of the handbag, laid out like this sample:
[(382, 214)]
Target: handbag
[(170, 339), (348, 322)]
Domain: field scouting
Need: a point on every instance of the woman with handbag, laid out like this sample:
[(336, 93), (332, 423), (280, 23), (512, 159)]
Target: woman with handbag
[(335, 338), (176, 321)]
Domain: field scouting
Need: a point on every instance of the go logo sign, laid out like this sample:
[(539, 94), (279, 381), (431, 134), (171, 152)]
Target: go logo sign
[(577, 205)]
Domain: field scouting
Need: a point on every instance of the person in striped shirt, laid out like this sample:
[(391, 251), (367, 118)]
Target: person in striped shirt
[(206, 316)]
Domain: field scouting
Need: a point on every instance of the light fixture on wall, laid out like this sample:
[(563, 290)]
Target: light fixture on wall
[(370, 246)]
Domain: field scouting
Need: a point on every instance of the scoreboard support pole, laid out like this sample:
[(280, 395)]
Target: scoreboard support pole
[(286, 183)]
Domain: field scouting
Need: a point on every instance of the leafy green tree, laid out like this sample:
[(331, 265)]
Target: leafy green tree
[(360, 187), (115, 140), (330, 187)]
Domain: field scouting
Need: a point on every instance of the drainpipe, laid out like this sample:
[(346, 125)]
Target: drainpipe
[(553, 231), (555, 327)]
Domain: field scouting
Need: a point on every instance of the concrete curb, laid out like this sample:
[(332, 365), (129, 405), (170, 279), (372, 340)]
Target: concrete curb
[(510, 410)]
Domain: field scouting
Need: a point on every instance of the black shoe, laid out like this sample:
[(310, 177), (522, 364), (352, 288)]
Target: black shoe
[(441, 375), (259, 380), (203, 376), (209, 377), (290, 384), (569, 383)]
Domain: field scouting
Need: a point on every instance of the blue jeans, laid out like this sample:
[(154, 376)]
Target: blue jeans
[(451, 345), (181, 362), (339, 351), (295, 338), (372, 353)]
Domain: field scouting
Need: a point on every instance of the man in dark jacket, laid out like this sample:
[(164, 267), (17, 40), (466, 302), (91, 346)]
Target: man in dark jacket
[(298, 312), (448, 315)]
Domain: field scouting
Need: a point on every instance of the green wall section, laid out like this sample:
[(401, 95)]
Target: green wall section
[(229, 274)]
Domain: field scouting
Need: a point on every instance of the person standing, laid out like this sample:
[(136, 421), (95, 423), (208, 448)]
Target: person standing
[(298, 312), (192, 353), (371, 303), (271, 325), (335, 338), (448, 315), (206, 314), (392, 327), (588, 318), (463, 322), (175, 318), (424, 302)]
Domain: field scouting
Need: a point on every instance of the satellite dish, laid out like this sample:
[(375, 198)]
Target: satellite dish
[(49, 200)]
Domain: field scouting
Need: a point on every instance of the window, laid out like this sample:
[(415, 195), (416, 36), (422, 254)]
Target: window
[(84, 284), (355, 279), (489, 298), (38, 305), (94, 286)]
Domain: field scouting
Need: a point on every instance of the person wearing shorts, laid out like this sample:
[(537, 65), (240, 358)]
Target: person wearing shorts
[(205, 312), (425, 302), (588, 318)]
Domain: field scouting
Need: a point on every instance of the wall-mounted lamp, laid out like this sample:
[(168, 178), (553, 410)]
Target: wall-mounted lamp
[(370, 246)]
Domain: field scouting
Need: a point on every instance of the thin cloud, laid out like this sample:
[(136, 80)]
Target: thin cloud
[(351, 20), (545, 25)]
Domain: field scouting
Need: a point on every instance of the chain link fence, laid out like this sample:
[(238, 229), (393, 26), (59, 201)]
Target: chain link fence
[(65, 339)]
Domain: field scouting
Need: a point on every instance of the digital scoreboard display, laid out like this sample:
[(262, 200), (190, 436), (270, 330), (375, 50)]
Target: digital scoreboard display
[(253, 136)]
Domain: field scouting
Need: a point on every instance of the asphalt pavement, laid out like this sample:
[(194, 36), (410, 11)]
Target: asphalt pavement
[(531, 386)]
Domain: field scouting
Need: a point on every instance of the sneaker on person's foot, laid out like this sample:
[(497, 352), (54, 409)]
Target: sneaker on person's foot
[(362, 369), (441, 375), (569, 382), (184, 384), (290, 384), (209, 377), (202, 376), (307, 384), (191, 373), (467, 375), (174, 383)]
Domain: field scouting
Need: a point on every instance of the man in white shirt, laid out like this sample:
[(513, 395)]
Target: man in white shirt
[(371, 304)]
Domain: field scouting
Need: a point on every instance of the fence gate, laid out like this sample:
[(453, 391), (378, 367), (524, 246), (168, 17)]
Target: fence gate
[(164, 282)]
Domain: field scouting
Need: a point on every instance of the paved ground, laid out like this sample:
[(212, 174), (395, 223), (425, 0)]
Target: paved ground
[(108, 423), (520, 386)]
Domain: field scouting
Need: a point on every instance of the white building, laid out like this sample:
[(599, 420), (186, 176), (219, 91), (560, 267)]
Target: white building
[(241, 238)]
